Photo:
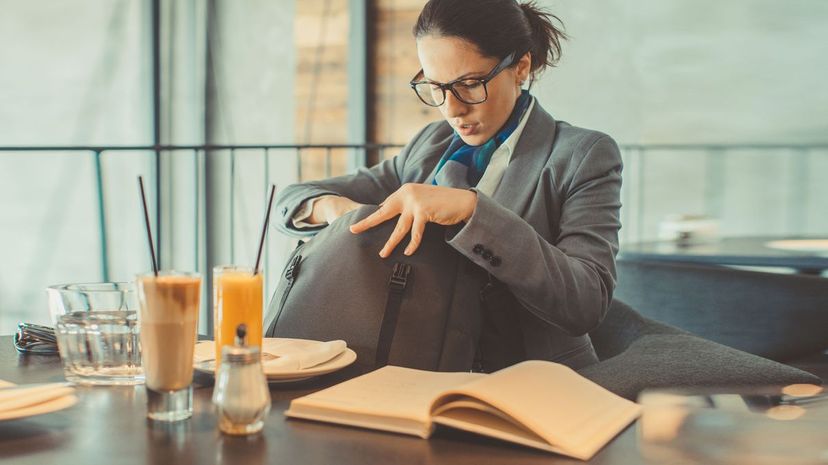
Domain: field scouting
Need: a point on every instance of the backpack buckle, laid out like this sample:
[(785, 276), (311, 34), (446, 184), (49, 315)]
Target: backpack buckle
[(399, 277)]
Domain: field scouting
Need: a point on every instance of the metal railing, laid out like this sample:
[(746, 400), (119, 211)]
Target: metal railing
[(635, 155), (358, 155), (718, 175)]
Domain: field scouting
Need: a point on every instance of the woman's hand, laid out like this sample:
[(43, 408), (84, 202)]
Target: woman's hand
[(418, 204), (328, 208)]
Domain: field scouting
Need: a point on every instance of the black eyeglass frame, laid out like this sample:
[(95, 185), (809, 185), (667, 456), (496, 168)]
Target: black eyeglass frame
[(504, 63)]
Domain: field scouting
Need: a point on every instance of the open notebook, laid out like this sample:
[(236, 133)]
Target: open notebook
[(535, 403)]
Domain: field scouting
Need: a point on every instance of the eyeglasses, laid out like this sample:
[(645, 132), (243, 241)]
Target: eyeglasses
[(470, 91)]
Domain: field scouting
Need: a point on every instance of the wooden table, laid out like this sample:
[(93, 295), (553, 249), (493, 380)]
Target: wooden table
[(108, 426), (740, 251)]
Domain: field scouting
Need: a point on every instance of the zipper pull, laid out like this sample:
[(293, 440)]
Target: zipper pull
[(293, 268)]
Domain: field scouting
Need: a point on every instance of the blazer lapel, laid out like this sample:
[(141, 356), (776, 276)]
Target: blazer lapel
[(436, 151), (531, 154)]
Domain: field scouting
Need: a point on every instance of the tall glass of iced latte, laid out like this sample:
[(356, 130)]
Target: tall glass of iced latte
[(168, 320)]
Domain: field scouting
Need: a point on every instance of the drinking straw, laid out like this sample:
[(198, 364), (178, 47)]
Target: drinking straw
[(264, 230), (146, 221)]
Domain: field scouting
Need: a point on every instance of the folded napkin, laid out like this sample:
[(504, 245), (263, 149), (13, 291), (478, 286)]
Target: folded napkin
[(282, 354), (19, 400), (307, 358)]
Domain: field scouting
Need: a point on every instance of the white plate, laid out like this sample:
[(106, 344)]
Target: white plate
[(49, 406), (814, 246), (205, 359)]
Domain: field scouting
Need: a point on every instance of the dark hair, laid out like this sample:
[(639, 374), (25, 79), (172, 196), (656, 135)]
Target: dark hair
[(497, 28)]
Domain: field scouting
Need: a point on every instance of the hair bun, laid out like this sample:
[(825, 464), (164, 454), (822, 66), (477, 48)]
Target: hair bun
[(546, 38)]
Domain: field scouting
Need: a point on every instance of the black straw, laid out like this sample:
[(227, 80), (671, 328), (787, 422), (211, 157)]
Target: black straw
[(264, 230), (146, 221)]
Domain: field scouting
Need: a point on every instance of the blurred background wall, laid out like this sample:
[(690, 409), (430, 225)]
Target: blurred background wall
[(721, 109)]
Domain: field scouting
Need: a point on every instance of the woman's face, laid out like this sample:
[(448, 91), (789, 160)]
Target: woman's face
[(445, 59)]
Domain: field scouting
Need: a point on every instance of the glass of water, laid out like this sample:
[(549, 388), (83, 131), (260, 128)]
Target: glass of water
[(96, 326)]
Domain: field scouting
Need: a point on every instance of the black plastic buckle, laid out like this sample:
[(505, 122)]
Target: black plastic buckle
[(399, 277)]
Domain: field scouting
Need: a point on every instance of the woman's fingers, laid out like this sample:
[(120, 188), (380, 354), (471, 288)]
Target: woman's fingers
[(380, 216), (417, 229), (400, 231)]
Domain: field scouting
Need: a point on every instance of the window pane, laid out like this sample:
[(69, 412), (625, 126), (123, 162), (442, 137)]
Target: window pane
[(74, 73)]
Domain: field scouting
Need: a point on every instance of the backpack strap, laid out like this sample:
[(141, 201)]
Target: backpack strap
[(396, 287), (485, 294), (501, 341)]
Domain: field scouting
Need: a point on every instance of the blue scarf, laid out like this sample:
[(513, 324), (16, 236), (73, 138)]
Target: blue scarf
[(462, 166)]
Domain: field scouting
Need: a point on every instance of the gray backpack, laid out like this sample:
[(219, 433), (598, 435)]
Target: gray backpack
[(422, 311)]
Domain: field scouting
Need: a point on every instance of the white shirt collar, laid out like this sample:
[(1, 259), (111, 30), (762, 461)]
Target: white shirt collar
[(502, 156), (511, 141)]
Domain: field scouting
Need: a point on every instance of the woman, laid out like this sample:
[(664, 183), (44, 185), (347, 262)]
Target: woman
[(535, 201)]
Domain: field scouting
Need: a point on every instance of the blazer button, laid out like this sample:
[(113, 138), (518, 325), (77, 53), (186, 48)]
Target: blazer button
[(495, 261), (487, 254), (478, 249)]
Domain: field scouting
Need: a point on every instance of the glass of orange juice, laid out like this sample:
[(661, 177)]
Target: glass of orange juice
[(237, 298)]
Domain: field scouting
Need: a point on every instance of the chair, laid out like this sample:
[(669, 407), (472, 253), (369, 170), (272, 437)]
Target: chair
[(777, 316)]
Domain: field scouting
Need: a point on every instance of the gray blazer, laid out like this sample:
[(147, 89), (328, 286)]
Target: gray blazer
[(549, 232)]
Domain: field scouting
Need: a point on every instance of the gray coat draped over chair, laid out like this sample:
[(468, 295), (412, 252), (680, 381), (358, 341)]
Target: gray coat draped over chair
[(638, 353)]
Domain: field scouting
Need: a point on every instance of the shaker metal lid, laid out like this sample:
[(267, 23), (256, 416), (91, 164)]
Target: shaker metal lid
[(241, 354)]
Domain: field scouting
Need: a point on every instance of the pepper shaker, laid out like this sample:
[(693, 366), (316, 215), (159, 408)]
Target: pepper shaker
[(241, 394)]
